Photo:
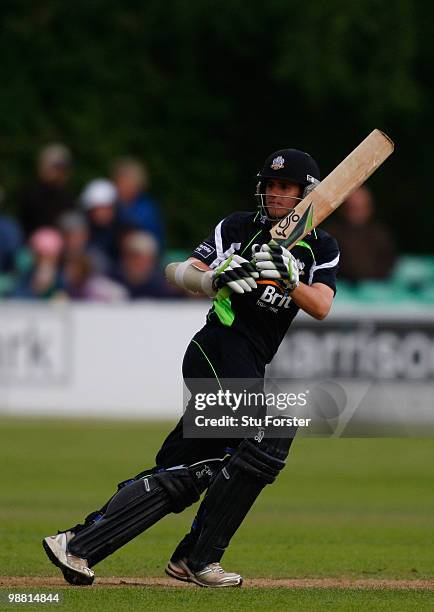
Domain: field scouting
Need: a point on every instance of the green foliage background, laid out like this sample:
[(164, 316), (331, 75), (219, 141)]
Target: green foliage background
[(204, 89)]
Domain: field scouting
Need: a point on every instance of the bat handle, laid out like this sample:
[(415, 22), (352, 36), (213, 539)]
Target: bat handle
[(225, 292)]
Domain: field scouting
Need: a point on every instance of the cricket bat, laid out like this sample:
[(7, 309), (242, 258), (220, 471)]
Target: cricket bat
[(352, 172)]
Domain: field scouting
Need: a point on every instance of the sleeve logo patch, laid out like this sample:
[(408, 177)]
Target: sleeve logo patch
[(205, 250)]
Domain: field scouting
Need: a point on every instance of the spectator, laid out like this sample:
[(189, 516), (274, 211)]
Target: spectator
[(139, 272), (42, 202), (83, 283), (367, 248), (75, 231), (76, 240), (11, 239), (135, 206), (99, 200), (43, 280)]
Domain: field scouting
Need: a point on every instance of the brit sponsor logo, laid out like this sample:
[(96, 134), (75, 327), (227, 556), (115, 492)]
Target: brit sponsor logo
[(205, 249), (273, 300)]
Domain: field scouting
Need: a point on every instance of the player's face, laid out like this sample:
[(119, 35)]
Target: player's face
[(281, 196)]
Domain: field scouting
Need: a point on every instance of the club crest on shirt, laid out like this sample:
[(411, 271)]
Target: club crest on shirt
[(278, 163)]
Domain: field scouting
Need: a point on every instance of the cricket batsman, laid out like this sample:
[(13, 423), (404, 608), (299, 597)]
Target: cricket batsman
[(243, 330)]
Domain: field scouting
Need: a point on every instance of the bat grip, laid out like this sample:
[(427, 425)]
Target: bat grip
[(225, 292)]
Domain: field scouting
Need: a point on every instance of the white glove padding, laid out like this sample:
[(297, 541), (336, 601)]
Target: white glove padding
[(277, 263), (236, 273)]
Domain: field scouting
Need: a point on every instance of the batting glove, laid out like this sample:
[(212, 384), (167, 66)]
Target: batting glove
[(277, 263), (236, 273)]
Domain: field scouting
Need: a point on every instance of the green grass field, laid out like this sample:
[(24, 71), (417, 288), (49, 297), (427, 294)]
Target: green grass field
[(343, 508)]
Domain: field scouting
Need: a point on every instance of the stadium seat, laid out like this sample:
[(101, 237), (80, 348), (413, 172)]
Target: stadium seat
[(414, 272)]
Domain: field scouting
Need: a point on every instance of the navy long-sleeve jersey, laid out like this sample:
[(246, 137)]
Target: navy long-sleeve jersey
[(264, 315)]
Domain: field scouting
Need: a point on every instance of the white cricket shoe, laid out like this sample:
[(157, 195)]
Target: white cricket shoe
[(75, 570), (213, 575)]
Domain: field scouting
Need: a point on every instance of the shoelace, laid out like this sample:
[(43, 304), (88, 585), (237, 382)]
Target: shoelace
[(216, 568)]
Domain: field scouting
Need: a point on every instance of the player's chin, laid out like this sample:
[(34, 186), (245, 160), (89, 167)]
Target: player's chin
[(277, 212)]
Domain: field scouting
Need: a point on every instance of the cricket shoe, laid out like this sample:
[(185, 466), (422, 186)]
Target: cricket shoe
[(212, 575), (75, 570)]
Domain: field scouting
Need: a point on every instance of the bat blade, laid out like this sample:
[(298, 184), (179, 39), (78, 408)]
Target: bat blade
[(352, 172)]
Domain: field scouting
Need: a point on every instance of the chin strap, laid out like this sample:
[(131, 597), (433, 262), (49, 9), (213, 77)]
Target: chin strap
[(260, 197)]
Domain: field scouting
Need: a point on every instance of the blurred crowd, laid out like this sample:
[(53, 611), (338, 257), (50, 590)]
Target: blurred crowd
[(107, 243), (104, 245), (368, 250)]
